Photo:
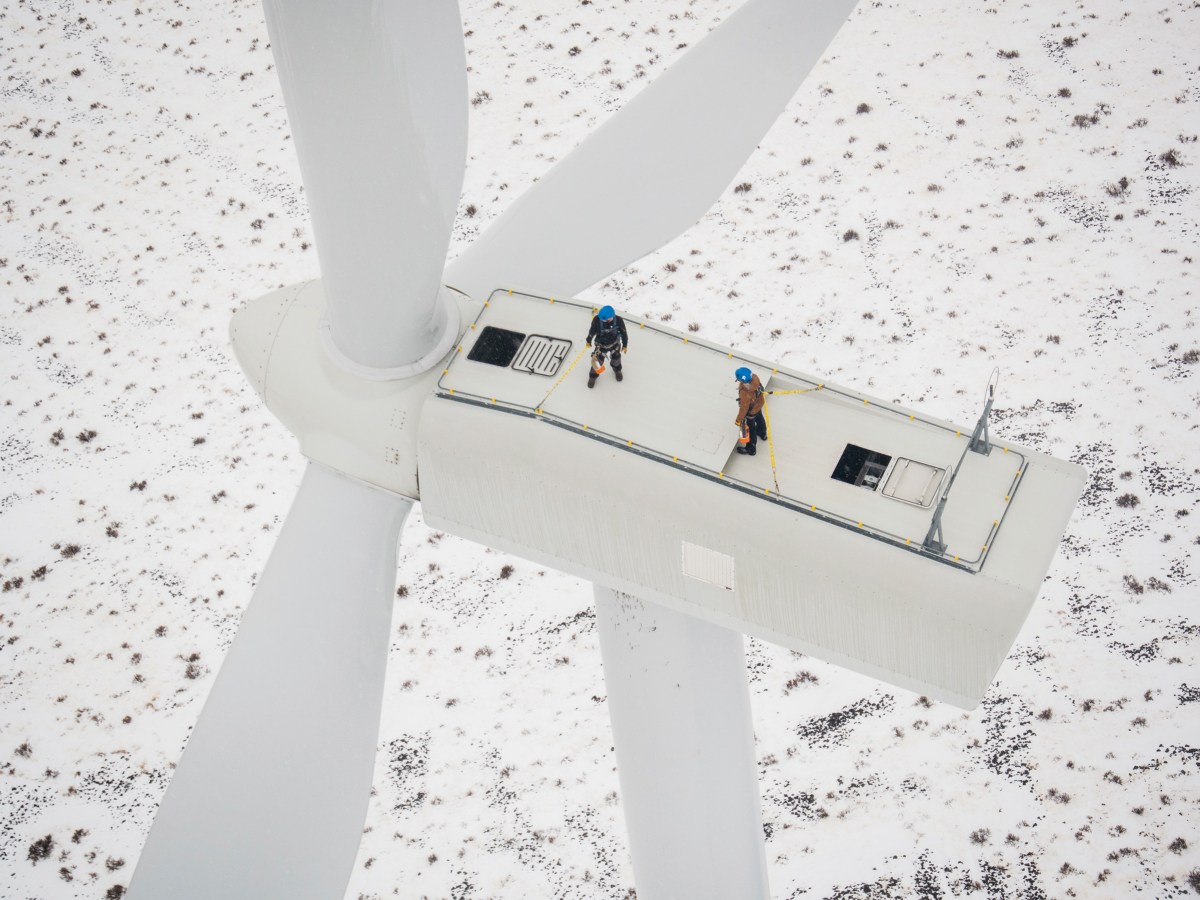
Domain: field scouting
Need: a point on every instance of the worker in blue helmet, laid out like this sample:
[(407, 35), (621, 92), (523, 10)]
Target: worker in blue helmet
[(609, 339), (751, 402)]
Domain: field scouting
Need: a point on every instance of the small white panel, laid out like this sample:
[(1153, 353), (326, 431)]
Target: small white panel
[(913, 482), (709, 566), (707, 441)]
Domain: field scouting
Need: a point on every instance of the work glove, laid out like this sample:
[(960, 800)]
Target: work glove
[(625, 349), (587, 344), (737, 423)]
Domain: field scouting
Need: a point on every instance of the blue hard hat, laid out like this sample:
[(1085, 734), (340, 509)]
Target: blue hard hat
[(743, 375), (607, 313)]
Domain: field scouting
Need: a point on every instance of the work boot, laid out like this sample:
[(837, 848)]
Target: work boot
[(742, 450), (617, 372), (592, 379), (750, 451)]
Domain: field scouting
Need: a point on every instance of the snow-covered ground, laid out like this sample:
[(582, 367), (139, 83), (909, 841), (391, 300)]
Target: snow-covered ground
[(954, 189)]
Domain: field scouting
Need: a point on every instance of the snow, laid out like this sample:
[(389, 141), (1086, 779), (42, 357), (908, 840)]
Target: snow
[(942, 197)]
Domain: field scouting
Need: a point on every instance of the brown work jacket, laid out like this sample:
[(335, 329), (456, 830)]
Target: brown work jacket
[(750, 398)]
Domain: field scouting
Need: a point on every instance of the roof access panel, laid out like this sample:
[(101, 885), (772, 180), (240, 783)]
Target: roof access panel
[(851, 460), (678, 399)]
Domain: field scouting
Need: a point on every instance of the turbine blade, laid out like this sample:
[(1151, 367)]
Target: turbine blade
[(684, 739), (270, 796), (376, 95), (655, 167)]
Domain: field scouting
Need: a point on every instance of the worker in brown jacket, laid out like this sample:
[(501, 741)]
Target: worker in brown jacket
[(750, 416)]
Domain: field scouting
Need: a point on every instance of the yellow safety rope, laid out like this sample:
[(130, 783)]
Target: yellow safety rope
[(802, 391), (562, 377), (771, 440), (771, 445)]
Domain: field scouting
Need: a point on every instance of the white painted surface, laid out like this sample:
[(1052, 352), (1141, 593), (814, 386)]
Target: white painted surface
[(270, 795), (913, 482), (607, 513), (586, 480), (377, 103), (677, 397), (684, 740), (678, 402), (361, 426), (708, 565)]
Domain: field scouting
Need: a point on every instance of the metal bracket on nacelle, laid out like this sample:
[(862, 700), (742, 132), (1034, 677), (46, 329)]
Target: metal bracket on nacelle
[(980, 443), (979, 438), (934, 542)]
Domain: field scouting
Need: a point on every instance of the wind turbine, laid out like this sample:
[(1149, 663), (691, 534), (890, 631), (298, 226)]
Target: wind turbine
[(383, 371)]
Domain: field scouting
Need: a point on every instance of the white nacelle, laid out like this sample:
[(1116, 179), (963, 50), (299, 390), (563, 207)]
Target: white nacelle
[(817, 543), (362, 427)]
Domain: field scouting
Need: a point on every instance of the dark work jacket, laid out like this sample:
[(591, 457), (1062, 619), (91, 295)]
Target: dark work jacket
[(608, 334)]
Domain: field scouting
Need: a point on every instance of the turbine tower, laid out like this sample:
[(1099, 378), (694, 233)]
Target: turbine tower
[(405, 379)]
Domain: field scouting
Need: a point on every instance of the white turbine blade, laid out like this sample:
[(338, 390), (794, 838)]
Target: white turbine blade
[(680, 708), (271, 794), (655, 167), (376, 96)]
